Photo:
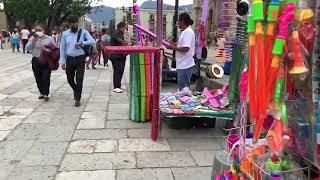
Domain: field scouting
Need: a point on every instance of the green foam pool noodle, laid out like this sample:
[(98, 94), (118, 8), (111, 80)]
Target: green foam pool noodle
[(142, 88), (273, 11), (257, 10), (278, 47), (251, 24), (131, 99), (137, 88)]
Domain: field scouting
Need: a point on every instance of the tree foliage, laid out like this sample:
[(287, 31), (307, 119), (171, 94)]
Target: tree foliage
[(50, 12), (28, 11)]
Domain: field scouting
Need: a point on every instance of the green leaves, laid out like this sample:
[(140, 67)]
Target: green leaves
[(51, 12), (29, 11)]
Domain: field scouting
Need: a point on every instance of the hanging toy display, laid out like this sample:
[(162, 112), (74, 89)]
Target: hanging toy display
[(238, 52), (226, 32), (265, 90), (316, 75), (280, 41)]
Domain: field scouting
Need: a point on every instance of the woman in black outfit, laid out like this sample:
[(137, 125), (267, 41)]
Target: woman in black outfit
[(118, 61)]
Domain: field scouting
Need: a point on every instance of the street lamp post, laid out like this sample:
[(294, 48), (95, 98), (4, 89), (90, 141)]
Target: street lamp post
[(175, 30), (159, 22), (127, 14)]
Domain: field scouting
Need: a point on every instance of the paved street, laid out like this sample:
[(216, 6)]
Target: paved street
[(55, 140)]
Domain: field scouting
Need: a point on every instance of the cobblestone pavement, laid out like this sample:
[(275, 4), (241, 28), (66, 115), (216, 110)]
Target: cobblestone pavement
[(55, 140)]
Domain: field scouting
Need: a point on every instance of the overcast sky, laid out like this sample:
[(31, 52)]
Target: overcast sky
[(120, 3)]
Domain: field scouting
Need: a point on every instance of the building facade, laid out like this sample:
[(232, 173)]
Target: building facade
[(86, 23), (212, 17), (148, 19), (3, 20)]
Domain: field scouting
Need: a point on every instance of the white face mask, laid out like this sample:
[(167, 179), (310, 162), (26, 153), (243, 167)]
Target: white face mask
[(40, 34)]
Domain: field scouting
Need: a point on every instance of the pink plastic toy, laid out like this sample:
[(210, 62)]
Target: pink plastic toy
[(285, 19), (243, 86), (232, 140), (153, 35), (212, 100)]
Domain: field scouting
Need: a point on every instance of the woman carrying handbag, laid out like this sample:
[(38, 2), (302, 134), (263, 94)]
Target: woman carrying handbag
[(42, 72)]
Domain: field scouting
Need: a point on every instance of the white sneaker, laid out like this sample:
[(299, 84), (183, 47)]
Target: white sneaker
[(118, 90), (185, 92)]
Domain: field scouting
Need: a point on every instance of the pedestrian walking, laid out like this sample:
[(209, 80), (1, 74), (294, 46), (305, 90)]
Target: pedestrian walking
[(1, 39), (99, 46), (56, 37), (93, 55), (118, 61), (42, 72), (73, 57), (25, 34), (6, 36), (184, 51), (105, 42), (15, 40)]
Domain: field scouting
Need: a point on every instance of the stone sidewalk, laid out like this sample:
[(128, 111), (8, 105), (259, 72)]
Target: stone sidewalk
[(55, 140)]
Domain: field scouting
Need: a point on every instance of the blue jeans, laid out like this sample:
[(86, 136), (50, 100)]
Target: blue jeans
[(184, 76)]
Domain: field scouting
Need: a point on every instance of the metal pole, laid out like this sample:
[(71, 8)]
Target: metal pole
[(159, 22), (175, 30), (156, 122)]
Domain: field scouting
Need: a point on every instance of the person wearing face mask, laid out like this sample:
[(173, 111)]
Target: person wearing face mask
[(1, 39), (72, 56), (42, 72), (118, 61), (15, 40)]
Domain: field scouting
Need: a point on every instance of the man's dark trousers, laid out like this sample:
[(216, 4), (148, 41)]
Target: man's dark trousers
[(75, 67), (42, 74), (24, 44), (118, 63)]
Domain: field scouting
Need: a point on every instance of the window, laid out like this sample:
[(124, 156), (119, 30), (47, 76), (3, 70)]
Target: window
[(164, 26), (152, 23)]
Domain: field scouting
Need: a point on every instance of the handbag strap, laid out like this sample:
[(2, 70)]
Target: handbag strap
[(79, 35)]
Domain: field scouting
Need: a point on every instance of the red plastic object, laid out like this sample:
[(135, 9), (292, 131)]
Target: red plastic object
[(148, 85), (153, 35), (274, 136)]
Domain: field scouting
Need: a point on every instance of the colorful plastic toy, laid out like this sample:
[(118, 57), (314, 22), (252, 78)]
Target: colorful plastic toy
[(284, 21)]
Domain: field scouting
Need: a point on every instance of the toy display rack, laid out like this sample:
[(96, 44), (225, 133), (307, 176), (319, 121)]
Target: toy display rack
[(222, 162)]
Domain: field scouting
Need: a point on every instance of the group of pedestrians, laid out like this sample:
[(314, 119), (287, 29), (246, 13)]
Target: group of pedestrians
[(18, 38), (77, 44), (4, 39), (74, 45), (101, 40), (15, 38)]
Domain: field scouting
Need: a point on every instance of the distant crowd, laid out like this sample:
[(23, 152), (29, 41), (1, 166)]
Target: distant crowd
[(19, 38)]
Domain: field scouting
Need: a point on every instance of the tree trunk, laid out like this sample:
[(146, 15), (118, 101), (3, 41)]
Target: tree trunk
[(10, 19), (53, 15)]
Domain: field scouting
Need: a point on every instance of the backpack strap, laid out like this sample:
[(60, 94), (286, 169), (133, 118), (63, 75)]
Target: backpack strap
[(79, 34)]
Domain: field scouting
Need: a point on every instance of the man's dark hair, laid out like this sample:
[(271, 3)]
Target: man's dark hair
[(121, 25), (104, 30), (73, 19), (24, 27)]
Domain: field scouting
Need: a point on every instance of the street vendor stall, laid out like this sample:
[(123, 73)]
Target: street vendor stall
[(275, 128), (147, 101)]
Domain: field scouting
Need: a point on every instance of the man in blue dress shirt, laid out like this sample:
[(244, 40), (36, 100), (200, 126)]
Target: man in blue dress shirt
[(72, 56)]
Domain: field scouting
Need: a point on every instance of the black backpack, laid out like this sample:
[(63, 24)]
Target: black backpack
[(88, 49)]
